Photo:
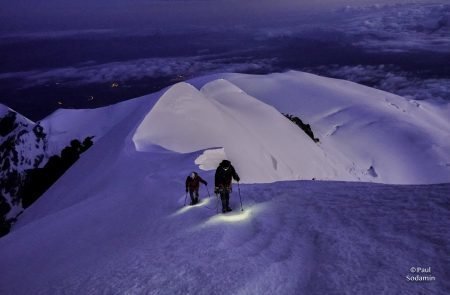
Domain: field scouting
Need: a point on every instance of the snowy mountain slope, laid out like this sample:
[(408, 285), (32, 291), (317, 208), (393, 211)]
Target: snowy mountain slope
[(404, 141), (130, 234), (23, 145), (23, 142), (251, 133), (65, 124), (115, 222), (365, 134), (28, 145), (93, 168)]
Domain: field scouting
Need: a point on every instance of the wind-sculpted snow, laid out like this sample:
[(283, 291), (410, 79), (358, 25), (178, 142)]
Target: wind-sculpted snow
[(262, 144), (133, 235), (115, 223), (363, 129), (365, 134), (65, 124)]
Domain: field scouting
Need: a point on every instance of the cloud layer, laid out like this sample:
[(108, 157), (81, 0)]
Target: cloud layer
[(392, 79), (400, 28), (380, 30), (140, 69)]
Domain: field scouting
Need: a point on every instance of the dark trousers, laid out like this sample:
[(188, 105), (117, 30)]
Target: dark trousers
[(194, 196), (225, 197)]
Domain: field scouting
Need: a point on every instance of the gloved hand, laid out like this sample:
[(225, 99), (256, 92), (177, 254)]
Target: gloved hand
[(237, 179), (186, 190), (206, 183), (216, 190)]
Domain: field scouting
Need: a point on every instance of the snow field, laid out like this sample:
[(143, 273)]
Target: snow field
[(359, 127), (308, 237), (115, 222)]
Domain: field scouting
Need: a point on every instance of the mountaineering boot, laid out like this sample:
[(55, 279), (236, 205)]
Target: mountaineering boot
[(229, 209)]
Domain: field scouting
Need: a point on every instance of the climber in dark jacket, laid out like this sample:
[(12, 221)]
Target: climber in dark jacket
[(192, 185), (224, 173)]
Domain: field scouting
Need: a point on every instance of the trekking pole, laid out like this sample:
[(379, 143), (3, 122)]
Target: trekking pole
[(209, 196), (185, 200), (217, 203), (239, 191)]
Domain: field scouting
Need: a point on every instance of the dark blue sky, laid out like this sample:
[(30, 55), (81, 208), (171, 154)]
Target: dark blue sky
[(35, 15), (60, 53)]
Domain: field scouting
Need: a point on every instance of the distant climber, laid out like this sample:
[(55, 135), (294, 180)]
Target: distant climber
[(192, 186), (224, 173)]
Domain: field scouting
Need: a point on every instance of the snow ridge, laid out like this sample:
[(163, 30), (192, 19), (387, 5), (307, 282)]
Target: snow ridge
[(115, 221), (221, 115), (365, 134)]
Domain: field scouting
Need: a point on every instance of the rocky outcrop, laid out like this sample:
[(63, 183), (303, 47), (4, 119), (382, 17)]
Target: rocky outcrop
[(23, 145)]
